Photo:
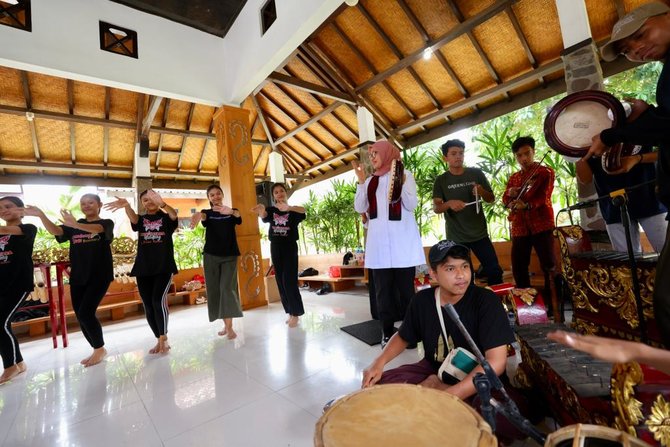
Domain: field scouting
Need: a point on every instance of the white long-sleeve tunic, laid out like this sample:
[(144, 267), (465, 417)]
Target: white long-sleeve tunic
[(391, 244)]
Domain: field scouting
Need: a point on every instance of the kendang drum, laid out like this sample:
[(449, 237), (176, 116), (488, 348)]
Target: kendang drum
[(573, 121), (582, 435), (401, 415)]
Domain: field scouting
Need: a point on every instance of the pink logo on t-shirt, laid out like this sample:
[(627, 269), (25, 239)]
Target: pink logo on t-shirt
[(152, 225), (280, 219), (4, 240)]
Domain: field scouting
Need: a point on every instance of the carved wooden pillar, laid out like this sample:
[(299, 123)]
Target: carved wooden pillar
[(236, 176)]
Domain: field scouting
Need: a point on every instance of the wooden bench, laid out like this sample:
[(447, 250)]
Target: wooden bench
[(347, 280)]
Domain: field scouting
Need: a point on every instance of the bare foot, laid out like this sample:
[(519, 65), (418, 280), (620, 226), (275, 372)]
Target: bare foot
[(163, 345), (22, 367), (288, 320), (222, 332), (98, 356), (155, 349), (85, 361), (293, 321), (232, 335), (9, 373)]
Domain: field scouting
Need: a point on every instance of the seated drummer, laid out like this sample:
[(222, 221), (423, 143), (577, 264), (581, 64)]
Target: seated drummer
[(480, 311)]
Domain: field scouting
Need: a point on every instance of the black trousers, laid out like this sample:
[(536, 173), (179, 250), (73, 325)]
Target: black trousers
[(521, 250), (9, 345), (285, 260), (662, 293), (486, 254), (153, 291), (394, 289), (85, 301)]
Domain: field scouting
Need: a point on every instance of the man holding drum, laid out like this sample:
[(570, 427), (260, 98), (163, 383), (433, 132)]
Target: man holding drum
[(457, 194), (643, 35)]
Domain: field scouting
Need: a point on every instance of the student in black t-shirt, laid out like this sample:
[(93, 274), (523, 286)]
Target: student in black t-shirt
[(91, 267), (283, 235), (480, 311), (16, 277), (154, 263), (220, 259)]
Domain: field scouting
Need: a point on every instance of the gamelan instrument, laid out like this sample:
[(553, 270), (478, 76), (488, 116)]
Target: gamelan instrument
[(574, 120), (401, 415), (396, 178), (579, 435)]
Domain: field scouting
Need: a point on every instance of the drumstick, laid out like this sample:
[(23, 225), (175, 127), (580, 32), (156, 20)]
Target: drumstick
[(477, 199), (474, 202)]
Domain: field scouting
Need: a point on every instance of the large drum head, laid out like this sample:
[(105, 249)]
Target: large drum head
[(576, 119), (401, 415)]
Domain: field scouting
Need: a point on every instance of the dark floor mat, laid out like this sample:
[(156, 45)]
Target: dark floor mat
[(369, 332)]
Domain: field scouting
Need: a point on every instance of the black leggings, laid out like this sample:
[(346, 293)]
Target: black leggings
[(9, 345), (285, 260), (153, 291), (394, 289), (85, 301)]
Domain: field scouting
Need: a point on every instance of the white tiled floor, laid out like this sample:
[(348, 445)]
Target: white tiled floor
[(267, 388)]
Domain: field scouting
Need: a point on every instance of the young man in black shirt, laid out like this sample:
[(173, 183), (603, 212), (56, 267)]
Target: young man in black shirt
[(480, 311)]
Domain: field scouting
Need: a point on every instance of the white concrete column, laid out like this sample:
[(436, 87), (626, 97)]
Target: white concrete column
[(276, 161)]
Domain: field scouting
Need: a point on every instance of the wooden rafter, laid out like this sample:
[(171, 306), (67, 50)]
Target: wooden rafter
[(105, 143), (184, 139), (497, 7), (160, 136), (280, 78), (401, 102), (30, 116), (475, 43), (264, 123), (620, 9), (152, 109), (260, 156), (399, 55), (330, 174), (70, 110), (327, 111), (204, 148)]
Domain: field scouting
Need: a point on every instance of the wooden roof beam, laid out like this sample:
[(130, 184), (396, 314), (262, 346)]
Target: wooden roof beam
[(339, 157), (160, 136), (460, 29), (204, 148), (105, 142), (264, 123), (70, 110), (309, 87), (330, 174), (261, 154), (30, 116), (183, 141), (327, 111), (154, 105), (399, 55)]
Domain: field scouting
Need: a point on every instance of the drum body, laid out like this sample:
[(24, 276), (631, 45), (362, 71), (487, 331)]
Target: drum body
[(573, 122), (582, 435), (401, 415)]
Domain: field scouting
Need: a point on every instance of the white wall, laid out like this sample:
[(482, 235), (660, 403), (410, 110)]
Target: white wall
[(174, 60), (252, 57)]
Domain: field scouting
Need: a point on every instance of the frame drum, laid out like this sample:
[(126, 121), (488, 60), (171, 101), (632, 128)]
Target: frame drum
[(582, 435), (577, 118), (401, 415)]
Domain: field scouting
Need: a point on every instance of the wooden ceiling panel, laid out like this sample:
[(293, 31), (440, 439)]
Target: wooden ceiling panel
[(154, 138), (202, 118), (339, 52), (292, 110), (386, 104), (502, 47), (395, 24), (121, 147), (410, 92), (89, 142), (539, 19), (335, 126), (192, 152), (48, 92), (435, 16), (169, 161), (15, 139), (438, 81), (171, 142), (54, 140), (468, 8), (467, 64), (89, 100), (123, 105), (11, 89), (178, 114)]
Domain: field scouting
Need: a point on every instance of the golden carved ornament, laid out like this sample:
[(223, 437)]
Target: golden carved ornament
[(40, 257), (255, 269), (528, 296), (238, 151), (614, 286), (585, 327), (627, 409), (658, 421)]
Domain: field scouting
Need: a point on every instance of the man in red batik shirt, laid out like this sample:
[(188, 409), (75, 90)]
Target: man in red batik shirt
[(528, 196)]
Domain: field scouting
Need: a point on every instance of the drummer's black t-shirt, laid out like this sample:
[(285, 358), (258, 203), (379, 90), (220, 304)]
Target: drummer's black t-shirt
[(90, 253), (16, 262), (155, 251), (480, 311), (220, 237)]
